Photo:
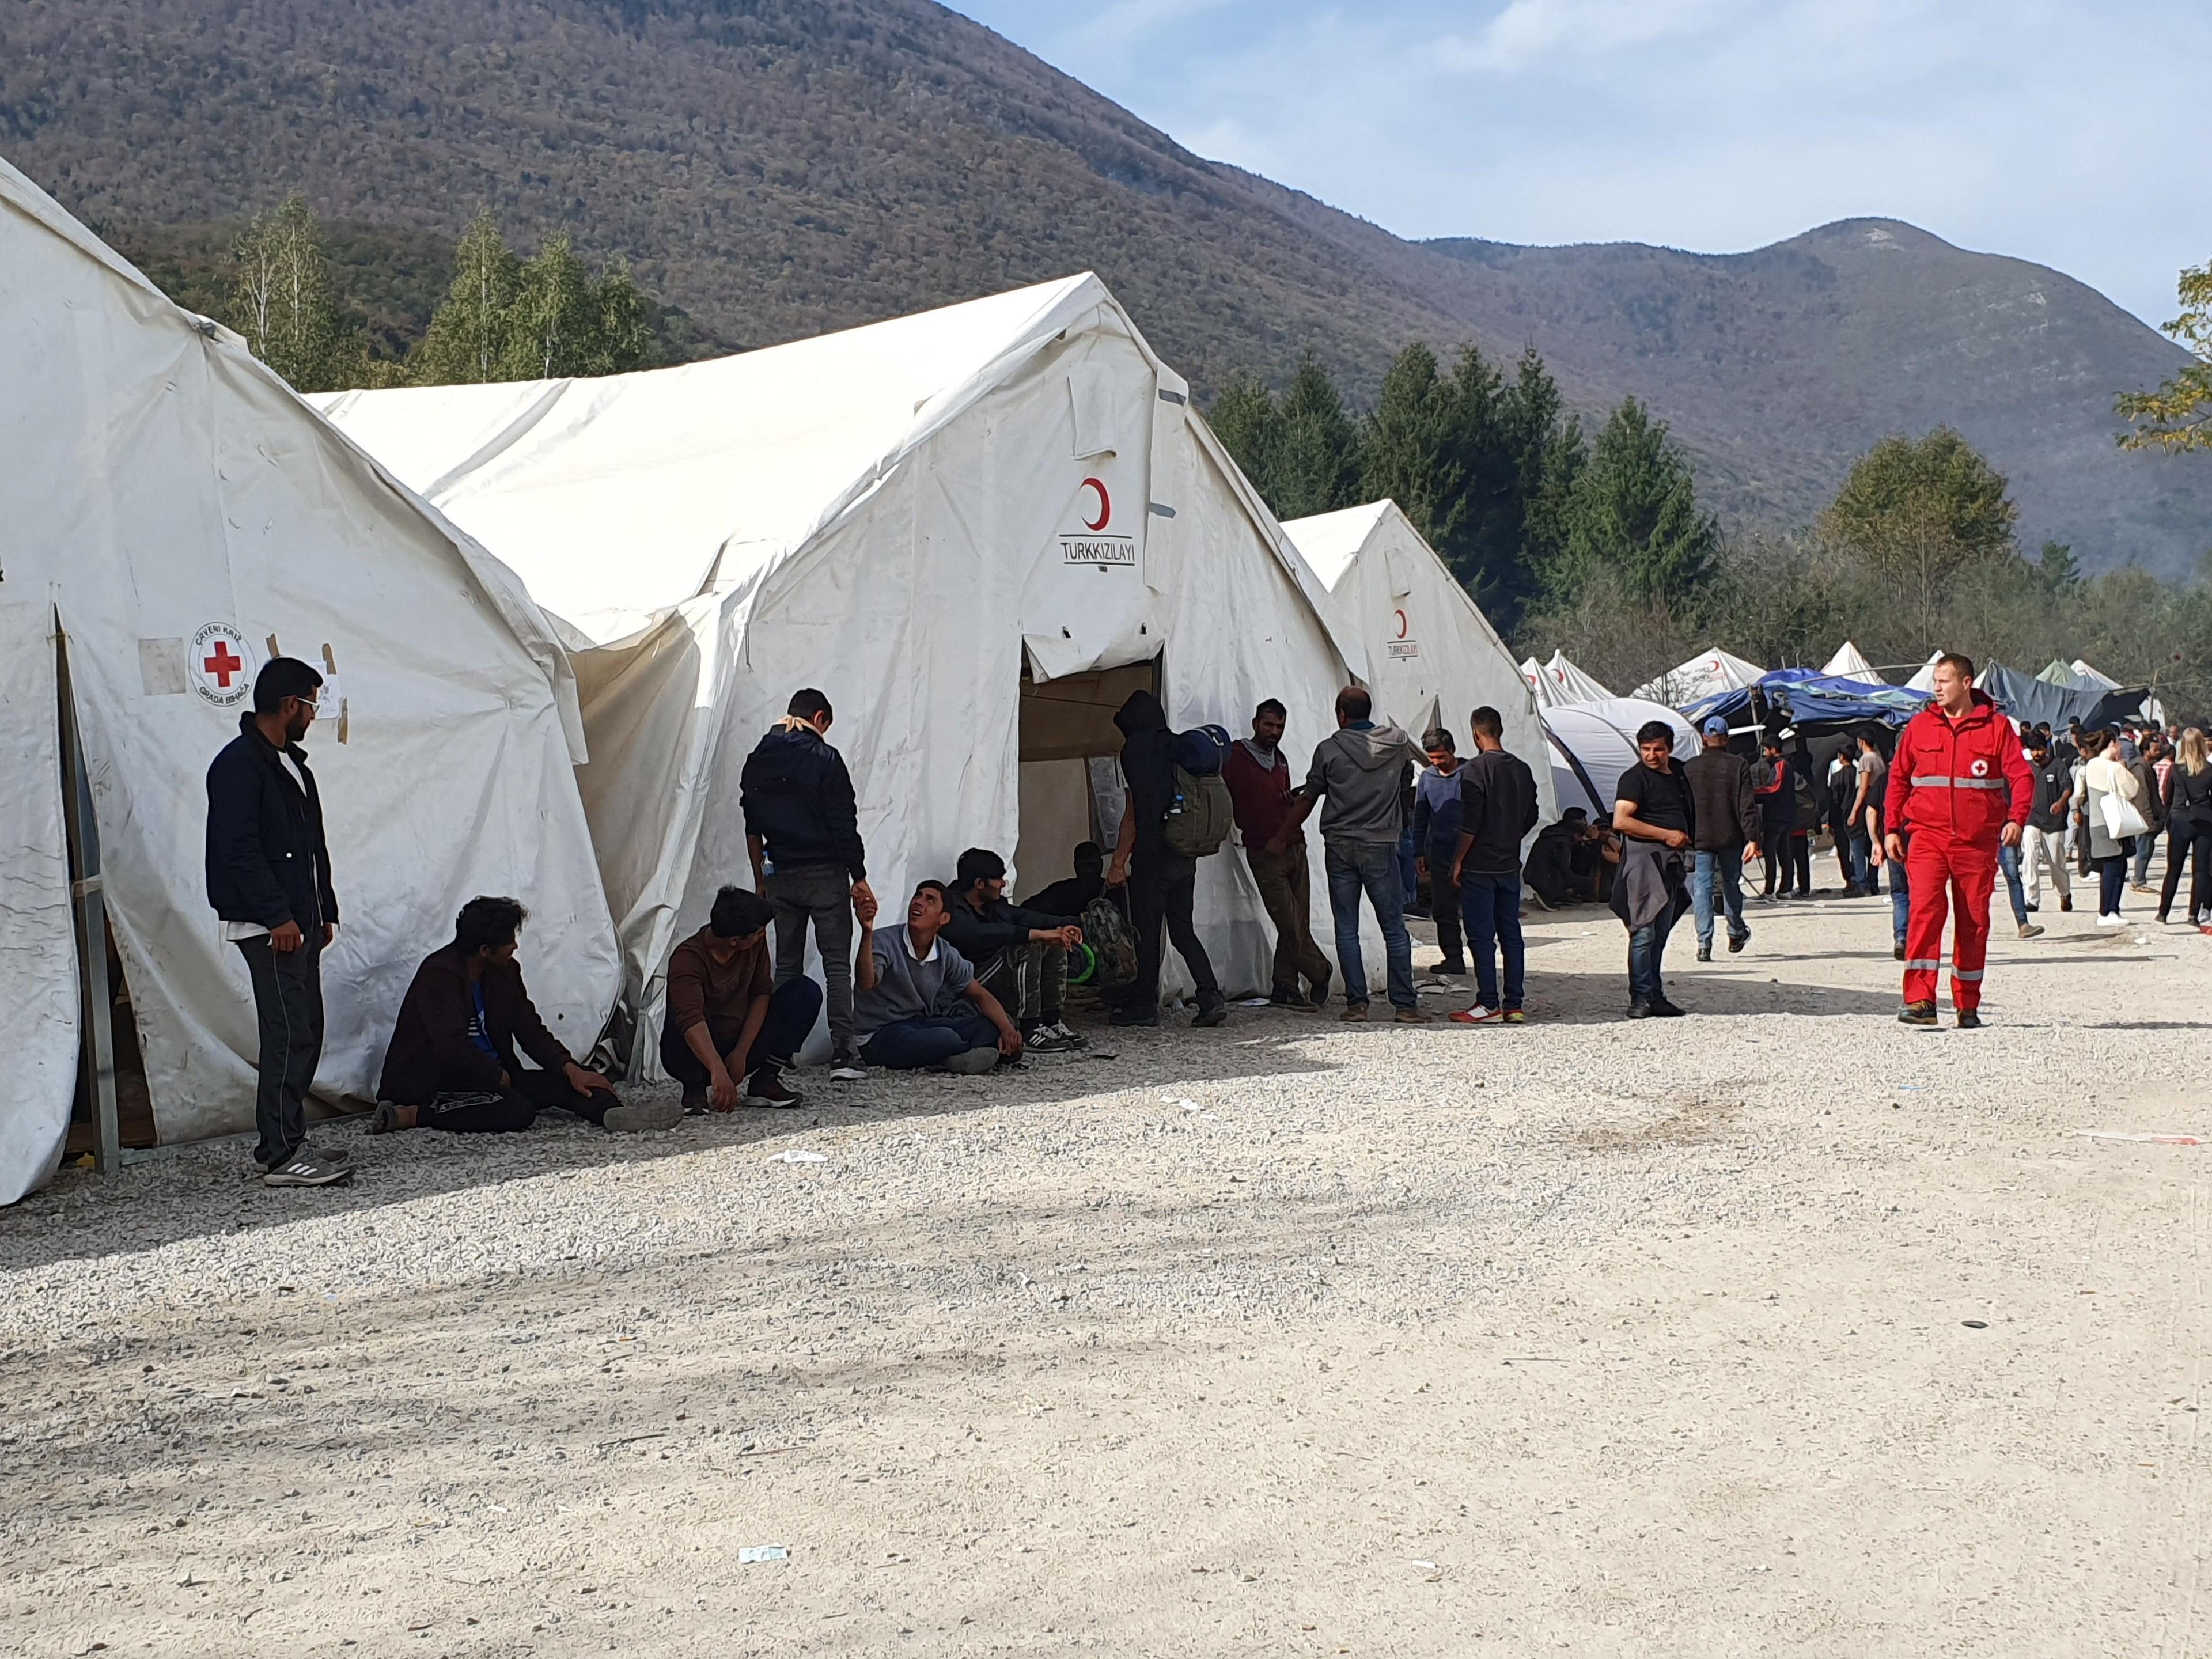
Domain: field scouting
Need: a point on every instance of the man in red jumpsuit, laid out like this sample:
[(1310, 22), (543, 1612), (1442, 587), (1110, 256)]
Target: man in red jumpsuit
[(1959, 786)]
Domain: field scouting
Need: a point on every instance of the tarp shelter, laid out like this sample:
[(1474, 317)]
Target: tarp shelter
[(1851, 664), (2031, 701), (1714, 671), (172, 512), (975, 530), (1592, 743), (1803, 698), (1560, 681), (1433, 656)]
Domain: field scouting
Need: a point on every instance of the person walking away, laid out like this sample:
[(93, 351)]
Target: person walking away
[(2149, 766), (1777, 817), (1436, 843), (1842, 795), (732, 1030), (2043, 843), (912, 985), (1863, 821), (1656, 815), (1496, 811), (1019, 955), (802, 832), (2112, 801), (2189, 829), (454, 1062), (1163, 883), (1959, 786), (1727, 814), (269, 881), (1809, 818), (1258, 775), (1364, 770)]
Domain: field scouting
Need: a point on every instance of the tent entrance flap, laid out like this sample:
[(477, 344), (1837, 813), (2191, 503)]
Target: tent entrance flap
[(1066, 725), (1072, 718)]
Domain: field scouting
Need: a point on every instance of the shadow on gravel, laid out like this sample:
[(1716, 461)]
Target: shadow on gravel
[(1737, 986)]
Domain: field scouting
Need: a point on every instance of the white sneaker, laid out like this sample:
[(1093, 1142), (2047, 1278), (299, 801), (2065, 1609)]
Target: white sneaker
[(2111, 921)]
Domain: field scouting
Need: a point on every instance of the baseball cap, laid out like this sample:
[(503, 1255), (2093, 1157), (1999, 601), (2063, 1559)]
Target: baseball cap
[(1716, 726)]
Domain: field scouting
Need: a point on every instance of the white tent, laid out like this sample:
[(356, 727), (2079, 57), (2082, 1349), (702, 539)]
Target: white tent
[(1560, 681), (1851, 665), (170, 511), (2085, 671), (975, 530), (1703, 676), (1433, 655), (1592, 743)]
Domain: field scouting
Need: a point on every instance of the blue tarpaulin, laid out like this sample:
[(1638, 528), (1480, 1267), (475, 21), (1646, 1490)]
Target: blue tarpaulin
[(1807, 697)]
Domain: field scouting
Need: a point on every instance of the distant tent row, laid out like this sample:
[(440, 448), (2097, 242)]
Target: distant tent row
[(1559, 681)]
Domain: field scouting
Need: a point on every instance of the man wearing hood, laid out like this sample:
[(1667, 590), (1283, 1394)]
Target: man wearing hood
[(1362, 771), (803, 830), (1959, 787), (1163, 883)]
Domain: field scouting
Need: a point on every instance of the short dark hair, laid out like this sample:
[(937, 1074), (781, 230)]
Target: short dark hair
[(281, 677), (1960, 662), (806, 703), (1437, 737), (1656, 732), (1574, 812), (739, 913), (1353, 703), (488, 923), (1487, 722), (933, 885), (1088, 852), (978, 864), (1270, 706)]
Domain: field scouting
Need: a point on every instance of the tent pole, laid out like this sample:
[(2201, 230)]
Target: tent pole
[(96, 995)]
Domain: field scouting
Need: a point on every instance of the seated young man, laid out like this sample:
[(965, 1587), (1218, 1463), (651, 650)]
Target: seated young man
[(1072, 896), (727, 1018), (1019, 955), (453, 1061), (918, 1002)]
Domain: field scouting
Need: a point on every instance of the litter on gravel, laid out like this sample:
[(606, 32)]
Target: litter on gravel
[(749, 1554), (797, 1155), (2145, 1140)]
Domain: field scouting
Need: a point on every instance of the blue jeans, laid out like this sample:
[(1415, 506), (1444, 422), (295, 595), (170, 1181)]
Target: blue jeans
[(1724, 869), (1900, 899), (1862, 861), (1491, 906), (2008, 865), (1409, 873), (1647, 953), (909, 1045), (1353, 867)]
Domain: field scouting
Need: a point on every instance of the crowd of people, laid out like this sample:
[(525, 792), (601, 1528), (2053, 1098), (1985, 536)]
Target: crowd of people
[(971, 982)]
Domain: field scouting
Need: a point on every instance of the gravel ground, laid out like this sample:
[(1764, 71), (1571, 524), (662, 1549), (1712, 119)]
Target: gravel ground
[(1782, 1328)]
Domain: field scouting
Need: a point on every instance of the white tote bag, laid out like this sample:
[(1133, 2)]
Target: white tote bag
[(2122, 820)]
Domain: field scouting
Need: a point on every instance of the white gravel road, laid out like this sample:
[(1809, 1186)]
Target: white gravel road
[(1782, 1329)]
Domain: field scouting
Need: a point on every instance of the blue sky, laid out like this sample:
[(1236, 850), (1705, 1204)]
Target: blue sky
[(2058, 130)]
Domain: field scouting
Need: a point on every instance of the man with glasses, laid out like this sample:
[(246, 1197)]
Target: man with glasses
[(269, 879)]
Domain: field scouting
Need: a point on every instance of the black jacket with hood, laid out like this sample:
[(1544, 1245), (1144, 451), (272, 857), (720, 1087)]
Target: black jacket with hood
[(798, 798), (266, 860), (1148, 767)]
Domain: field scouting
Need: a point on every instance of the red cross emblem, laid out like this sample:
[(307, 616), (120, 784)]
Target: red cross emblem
[(222, 665)]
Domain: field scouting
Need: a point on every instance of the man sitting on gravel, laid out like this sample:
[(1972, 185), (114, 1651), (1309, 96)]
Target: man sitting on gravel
[(452, 1064), (912, 983), (727, 1018), (1020, 955)]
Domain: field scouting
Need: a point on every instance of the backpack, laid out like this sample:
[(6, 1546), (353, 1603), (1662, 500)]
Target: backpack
[(1110, 944), (1202, 751), (1199, 820)]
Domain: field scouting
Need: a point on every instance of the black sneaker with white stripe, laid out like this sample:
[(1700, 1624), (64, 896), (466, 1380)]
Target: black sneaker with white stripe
[(306, 1168)]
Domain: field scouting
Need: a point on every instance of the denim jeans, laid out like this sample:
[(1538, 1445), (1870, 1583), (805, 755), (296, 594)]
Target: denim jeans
[(1492, 907), (1409, 871), (1647, 953), (2111, 881), (2145, 845), (1722, 869), (1900, 898), (2009, 867), (909, 1045), (1353, 867), (820, 896), (1862, 861)]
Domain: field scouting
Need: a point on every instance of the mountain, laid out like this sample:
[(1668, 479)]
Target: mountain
[(778, 168)]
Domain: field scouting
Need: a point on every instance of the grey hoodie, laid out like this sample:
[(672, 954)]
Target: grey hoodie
[(1361, 779)]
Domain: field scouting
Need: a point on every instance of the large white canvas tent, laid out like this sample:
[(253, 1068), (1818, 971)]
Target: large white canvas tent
[(1592, 743), (1851, 664), (1433, 656), (1559, 682), (1704, 676), (974, 529), (171, 512), (1923, 677)]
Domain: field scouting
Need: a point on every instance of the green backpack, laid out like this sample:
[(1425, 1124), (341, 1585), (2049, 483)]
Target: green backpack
[(1200, 817)]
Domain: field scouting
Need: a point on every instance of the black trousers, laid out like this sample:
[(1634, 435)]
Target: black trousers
[(1444, 901), (1162, 888), (287, 1006), (513, 1109)]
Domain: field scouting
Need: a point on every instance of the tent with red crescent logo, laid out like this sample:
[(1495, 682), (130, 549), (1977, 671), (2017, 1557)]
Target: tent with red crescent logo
[(1705, 675), (173, 513), (973, 529)]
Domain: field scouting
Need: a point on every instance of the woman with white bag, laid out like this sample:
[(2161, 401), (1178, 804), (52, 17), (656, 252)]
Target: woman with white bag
[(2114, 809)]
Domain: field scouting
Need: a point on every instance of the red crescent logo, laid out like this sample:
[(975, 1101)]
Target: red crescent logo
[(1402, 625), (1105, 504)]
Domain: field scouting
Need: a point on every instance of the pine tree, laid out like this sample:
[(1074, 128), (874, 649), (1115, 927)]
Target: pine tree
[(1319, 470), (1407, 452), (1244, 417), (1633, 514), (282, 302)]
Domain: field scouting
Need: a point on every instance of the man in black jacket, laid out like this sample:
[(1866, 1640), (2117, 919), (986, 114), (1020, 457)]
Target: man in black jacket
[(1163, 883), (269, 879), (1020, 955), (803, 830), (1497, 810), (1727, 834)]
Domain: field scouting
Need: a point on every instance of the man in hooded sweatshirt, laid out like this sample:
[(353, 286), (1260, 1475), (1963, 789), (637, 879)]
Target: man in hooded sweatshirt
[(1163, 883), (1362, 771)]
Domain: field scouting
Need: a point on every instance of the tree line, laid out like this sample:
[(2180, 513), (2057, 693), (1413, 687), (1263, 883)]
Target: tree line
[(504, 317)]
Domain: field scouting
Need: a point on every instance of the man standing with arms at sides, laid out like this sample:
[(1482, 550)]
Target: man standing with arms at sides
[(269, 879), (1497, 810), (803, 831), (1776, 795), (1727, 834), (2043, 843), (1258, 775), (1654, 812), (1364, 770), (1436, 844), (1959, 786)]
